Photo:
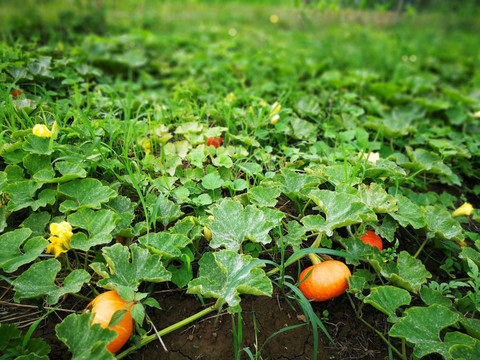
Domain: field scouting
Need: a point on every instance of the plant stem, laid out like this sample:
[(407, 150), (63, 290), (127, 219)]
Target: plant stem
[(402, 356), (167, 330), (421, 247)]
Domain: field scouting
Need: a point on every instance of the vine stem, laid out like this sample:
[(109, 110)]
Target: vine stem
[(402, 356), (421, 248), (166, 331)]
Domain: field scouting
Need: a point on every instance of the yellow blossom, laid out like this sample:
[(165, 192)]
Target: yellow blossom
[(230, 97), (60, 241), (372, 157), (274, 116), (41, 131), (263, 103), (461, 243), (146, 145), (274, 119), (465, 209), (274, 18)]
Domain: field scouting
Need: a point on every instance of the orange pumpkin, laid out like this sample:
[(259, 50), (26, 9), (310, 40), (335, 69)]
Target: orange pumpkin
[(104, 306), (373, 239), (327, 280)]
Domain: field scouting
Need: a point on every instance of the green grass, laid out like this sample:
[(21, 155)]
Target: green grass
[(348, 87)]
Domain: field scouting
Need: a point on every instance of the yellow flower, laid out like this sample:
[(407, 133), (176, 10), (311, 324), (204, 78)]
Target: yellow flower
[(465, 209), (462, 243), (60, 241), (146, 145), (274, 116), (274, 18), (230, 97), (41, 131), (274, 119), (372, 157)]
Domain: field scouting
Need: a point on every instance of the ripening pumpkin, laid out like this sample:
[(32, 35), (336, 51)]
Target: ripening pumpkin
[(373, 239), (327, 280), (104, 306)]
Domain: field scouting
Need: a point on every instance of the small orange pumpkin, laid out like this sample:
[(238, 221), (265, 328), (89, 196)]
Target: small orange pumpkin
[(327, 280), (373, 239), (104, 306)]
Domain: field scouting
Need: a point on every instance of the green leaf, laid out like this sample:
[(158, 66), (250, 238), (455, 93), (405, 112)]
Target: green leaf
[(233, 224), (408, 213), (138, 313), (163, 209), (129, 267), (340, 209), (85, 342), (69, 171), (8, 332), (431, 297), (34, 163), (408, 272), (37, 222), (295, 236), (15, 345), (265, 195), (340, 174), (225, 275), (167, 245), (37, 145), (293, 182), (99, 225), (125, 210), (86, 193), (377, 199), (472, 326), (212, 181), (22, 193), (223, 160), (3, 217), (465, 352), (39, 279), (183, 274), (421, 326), (440, 222), (388, 299), (11, 258)]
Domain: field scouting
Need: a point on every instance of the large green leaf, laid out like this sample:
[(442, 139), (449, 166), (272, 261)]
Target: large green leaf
[(377, 199), (293, 182), (85, 342), (39, 279), (264, 195), (22, 194), (166, 244), (85, 193), (421, 326), (408, 272), (225, 274), (440, 222), (465, 351), (163, 209), (408, 213), (11, 257), (340, 209), (99, 225), (388, 299), (233, 224), (128, 267), (295, 236)]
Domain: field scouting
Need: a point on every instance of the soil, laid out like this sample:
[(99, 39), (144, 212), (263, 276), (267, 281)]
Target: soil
[(212, 337)]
